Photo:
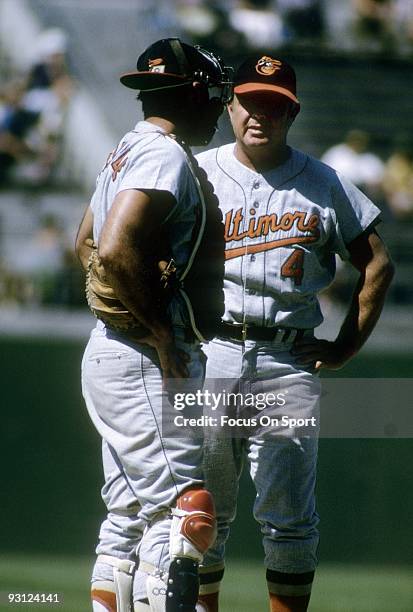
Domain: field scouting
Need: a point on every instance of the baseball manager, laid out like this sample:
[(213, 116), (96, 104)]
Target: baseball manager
[(286, 217)]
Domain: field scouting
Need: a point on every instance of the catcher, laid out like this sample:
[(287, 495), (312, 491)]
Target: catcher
[(137, 241)]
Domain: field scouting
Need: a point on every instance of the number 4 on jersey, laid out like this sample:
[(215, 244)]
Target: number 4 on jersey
[(293, 267)]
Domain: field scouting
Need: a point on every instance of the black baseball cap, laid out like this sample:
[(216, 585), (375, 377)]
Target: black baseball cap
[(170, 63), (262, 73)]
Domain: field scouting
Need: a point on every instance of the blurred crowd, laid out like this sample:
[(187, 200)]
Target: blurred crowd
[(32, 110), (250, 24), (359, 25), (383, 25), (388, 183), (37, 264), (43, 270)]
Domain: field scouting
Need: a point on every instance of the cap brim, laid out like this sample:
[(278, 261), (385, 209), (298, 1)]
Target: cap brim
[(246, 88), (151, 80)]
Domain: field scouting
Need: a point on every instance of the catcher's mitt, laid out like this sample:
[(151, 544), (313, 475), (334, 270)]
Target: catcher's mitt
[(103, 301)]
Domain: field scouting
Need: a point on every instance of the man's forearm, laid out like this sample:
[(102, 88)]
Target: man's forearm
[(370, 258), (84, 239), (83, 252), (365, 308), (137, 287)]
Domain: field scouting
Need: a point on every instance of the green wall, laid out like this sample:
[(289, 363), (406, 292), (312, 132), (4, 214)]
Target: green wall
[(51, 476)]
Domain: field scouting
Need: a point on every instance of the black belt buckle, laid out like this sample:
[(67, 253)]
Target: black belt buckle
[(242, 332), (239, 331)]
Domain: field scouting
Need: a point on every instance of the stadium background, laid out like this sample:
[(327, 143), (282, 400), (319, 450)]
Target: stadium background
[(50, 453)]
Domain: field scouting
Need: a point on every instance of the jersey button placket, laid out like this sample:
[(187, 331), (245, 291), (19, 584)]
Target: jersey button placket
[(246, 290), (255, 205)]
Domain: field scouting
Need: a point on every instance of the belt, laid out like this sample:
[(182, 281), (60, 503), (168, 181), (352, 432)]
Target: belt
[(135, 334), (243, 331)]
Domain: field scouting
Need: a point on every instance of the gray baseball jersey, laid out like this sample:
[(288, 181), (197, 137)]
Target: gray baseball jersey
[(147, 158), (282, 230)]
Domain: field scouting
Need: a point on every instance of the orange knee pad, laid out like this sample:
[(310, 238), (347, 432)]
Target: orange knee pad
[(199, 525), (194, 525)]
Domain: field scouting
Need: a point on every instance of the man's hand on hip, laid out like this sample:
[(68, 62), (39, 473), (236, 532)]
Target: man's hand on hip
[(321, 354)]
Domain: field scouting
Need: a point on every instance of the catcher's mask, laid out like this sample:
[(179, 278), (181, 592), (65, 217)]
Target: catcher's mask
[(170, 63)]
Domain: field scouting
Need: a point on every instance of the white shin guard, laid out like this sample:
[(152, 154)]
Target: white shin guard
[(139, 606), (123, 570), (156, 591)]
